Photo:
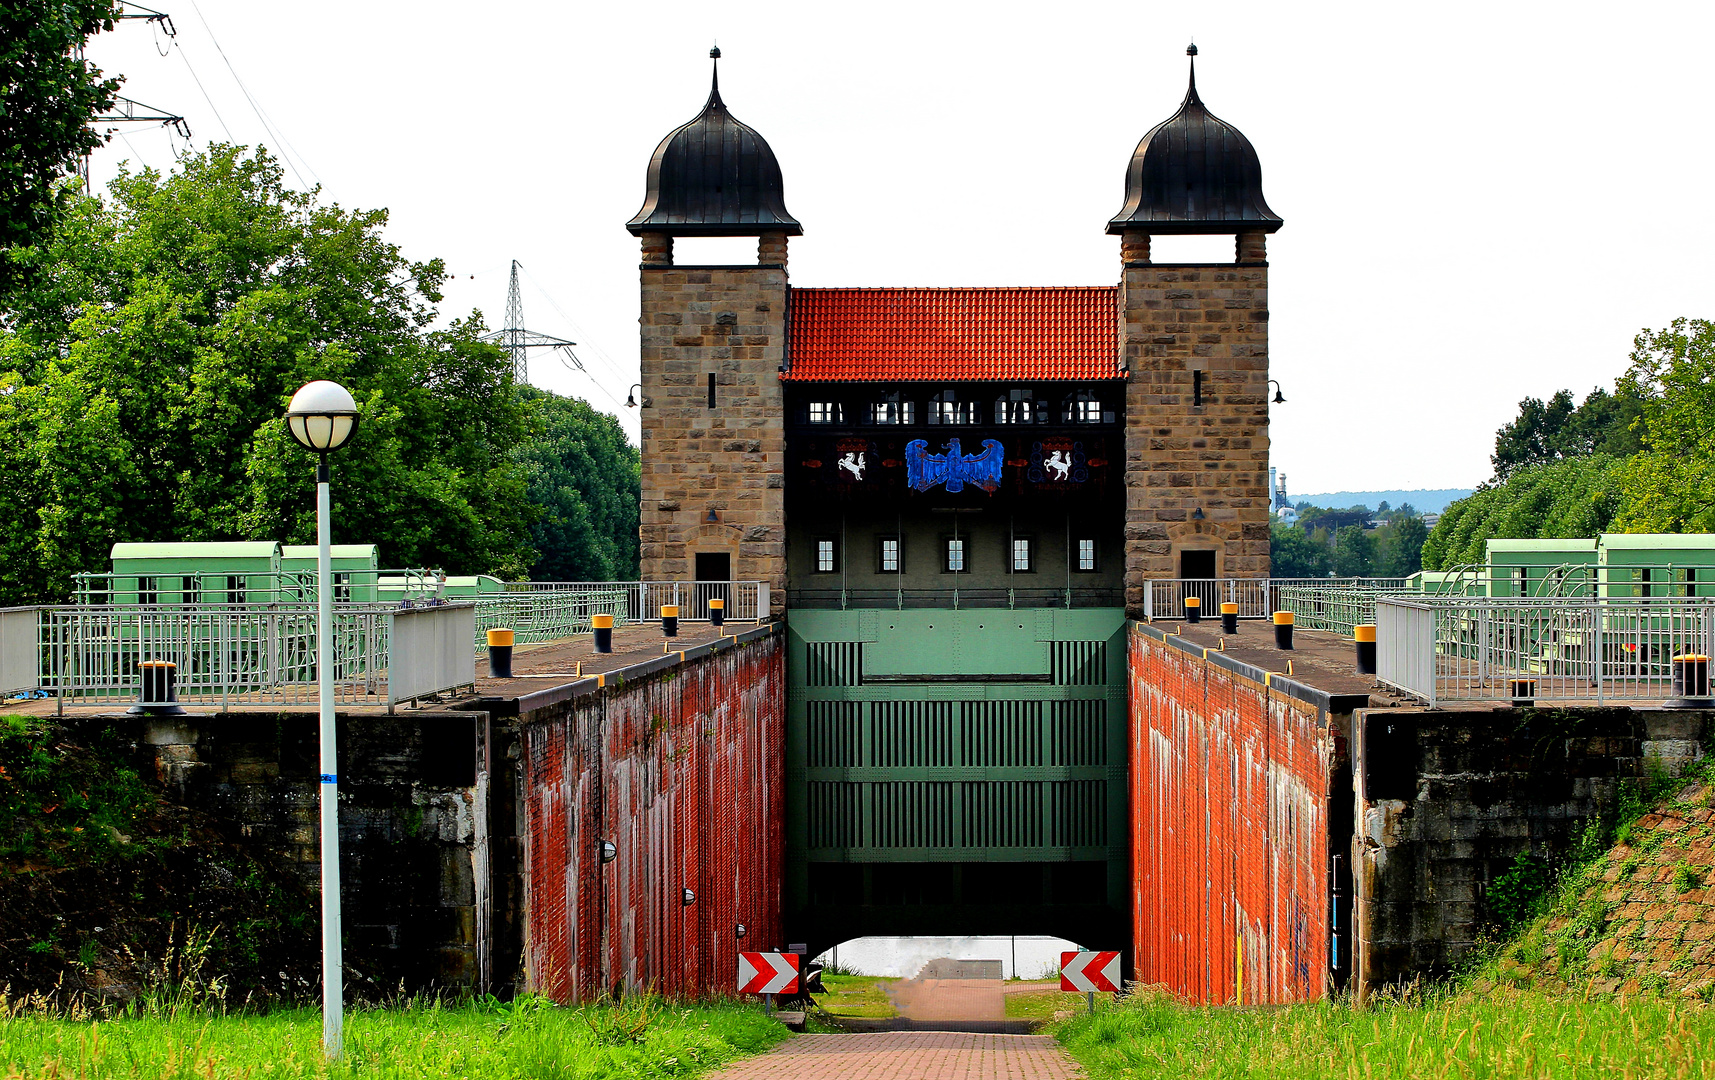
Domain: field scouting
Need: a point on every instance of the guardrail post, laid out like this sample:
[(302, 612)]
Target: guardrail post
[(1596, 646)]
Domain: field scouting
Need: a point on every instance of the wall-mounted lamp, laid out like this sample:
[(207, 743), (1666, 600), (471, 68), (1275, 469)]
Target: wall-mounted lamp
[(711, 518), (631, 399), (738, 931), (1197, 514), (1279, 398), (607, 850), (689, 898)]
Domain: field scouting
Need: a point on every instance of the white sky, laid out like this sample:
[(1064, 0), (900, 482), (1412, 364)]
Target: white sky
[(1482, 200)]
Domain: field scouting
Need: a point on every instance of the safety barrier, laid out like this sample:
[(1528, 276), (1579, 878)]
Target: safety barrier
[(1257, 598), (746, 601)]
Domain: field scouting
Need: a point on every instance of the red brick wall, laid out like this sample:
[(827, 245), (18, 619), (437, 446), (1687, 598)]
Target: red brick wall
[(1229, 803), (683, 771)]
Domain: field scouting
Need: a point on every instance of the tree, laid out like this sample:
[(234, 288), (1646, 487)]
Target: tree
[(146, 368), (48, 95), (584, 475), (1667, 486), (1293, 553), (1572, 498), (1556, 430), (1354, 552), (1402, 553)]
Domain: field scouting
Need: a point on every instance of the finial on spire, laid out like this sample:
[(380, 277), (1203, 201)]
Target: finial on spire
[(715, 53), (715, 79), (1191, 51)]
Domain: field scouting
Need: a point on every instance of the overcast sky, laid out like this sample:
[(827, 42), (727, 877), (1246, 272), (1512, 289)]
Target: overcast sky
[(1482, 201)]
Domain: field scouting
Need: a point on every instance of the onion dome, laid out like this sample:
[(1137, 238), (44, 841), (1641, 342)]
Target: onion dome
[(714, 177), (1194, 173)]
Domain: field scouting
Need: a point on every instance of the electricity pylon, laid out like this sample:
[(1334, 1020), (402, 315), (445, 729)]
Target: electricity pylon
[(518, 341)]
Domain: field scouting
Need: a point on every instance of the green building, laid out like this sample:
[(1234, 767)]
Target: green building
[(1552, 567), (355, 567), (237, 572), (1657, 564)]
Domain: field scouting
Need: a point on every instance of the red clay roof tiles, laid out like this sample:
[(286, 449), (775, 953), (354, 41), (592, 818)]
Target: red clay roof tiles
[(890, 335)]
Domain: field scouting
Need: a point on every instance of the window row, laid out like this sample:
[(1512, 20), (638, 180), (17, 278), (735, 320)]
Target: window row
[(956, 552), (959, 408)]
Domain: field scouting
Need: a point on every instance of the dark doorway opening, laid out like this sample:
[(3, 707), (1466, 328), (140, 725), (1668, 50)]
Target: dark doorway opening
[(714, 566), (714, 570), (1197, 567)]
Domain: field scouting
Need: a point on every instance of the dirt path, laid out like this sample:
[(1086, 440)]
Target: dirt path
[(909, 1055), (956, 999)]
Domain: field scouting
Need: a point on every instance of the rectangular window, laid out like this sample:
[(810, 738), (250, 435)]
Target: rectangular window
[(826, 562), (893, 411), (711, 389), (826, 412), (187, 590), (887, 560), (1645, 589), (1196, 388), (1086, 554), (342, 588), (955, 556), (234, 589), (1021, 555), (1015, 407), (148, 591)]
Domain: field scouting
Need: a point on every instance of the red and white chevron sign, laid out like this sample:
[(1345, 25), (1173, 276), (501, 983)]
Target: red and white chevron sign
[(767, 973), (1087, 971)]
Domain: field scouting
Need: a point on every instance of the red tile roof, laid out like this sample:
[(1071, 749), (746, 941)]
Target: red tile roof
[(941, 334)]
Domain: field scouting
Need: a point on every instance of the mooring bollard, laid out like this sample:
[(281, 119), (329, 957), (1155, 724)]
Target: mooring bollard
[(1690, 682), (717, 612), (670, 620), (1524, 692), (1229, 618), (1193, 609), (601, 626), (1364, 636), (500, 653), (158, 694), (1283, 629)]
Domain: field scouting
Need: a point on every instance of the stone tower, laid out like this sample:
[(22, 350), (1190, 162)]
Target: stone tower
[(1194, 338), (713, 342)]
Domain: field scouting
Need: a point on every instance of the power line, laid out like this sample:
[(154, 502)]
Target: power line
[(252, 101)]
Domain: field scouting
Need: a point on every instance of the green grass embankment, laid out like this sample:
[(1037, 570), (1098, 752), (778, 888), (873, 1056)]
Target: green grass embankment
[(640, 1038), (858, 997)]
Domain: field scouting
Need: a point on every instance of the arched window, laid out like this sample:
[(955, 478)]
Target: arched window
[(946, 408), (1084, 407)]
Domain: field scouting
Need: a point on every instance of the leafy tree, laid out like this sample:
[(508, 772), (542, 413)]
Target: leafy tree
[(584, 475), (1558, 429), (1294, 553), (1575, 497), (48, 95), (1354, 552), (145, 370), (1668, 485), (1402, 551)]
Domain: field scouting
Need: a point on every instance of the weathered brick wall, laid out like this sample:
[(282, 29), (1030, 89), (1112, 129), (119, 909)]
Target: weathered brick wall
[(729, 322), (683, 771), (412, 813), (1447, 799), (1177, 321), (1230, 783)]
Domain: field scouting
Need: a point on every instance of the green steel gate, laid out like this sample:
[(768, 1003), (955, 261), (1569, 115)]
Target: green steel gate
[(956, 772)]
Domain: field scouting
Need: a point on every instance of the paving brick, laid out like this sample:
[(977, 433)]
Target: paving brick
[(910, 1055)]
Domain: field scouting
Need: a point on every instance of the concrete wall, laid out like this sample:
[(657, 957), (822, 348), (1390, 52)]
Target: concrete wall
[(413, 789), (1446, 800), (680, 764), (1237, 781)]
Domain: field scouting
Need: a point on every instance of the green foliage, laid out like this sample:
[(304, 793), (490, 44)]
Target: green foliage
[(1402, 550), (60, 802), (1354, 551), (144, 374), (1293, 553), (48, 95), (1686, 877), (418, 1039), (1571, 498), (1420, 1037), (1516, 896), (585, 477), (1553, 431), (1670, 486)]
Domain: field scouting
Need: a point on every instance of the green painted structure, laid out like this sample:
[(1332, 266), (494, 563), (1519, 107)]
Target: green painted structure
[(355, 569), (956, 772), (472, 585), (1657, 564), (1552, 567), (240, 572)]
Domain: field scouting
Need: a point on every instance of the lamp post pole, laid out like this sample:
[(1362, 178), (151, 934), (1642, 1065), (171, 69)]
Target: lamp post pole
[(322, 417), (333, 965)]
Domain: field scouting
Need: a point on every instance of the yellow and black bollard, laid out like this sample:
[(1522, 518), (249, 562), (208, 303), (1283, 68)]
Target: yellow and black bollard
[(1364, 635), (1229, 618), (670, 619), (1690, 682), (1524, 692), (1193, 609), (158, 695), (500, 653), (1283, 629), (717, 612), (601, 628)]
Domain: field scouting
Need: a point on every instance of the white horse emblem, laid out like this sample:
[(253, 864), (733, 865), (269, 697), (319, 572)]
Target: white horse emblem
[(853, 463), (1060, 464)]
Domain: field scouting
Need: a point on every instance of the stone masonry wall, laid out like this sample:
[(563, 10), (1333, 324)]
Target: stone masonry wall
[(729, 322), (1177, 321)]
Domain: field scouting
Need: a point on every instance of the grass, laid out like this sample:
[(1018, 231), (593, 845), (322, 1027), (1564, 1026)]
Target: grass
[(1041, 1004), (643, 1037), (856, 996), (1456, 1037)]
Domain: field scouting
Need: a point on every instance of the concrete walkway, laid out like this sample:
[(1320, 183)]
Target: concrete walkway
[(909, 1055)]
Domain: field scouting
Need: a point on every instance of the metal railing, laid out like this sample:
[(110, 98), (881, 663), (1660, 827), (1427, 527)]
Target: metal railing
[(746, 601), (85, 655), (1445, 649), (1335, 608), (1257, 598), (248, 588), (540, 615), (957, 599)]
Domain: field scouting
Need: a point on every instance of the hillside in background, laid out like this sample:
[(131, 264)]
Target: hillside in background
[(1423, 500)]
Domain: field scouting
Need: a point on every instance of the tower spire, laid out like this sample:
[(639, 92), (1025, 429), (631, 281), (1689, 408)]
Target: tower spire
[(715, 79), (1191, 94)]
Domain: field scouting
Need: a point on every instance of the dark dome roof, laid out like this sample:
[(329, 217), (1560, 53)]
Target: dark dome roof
[(1194, 173), (714, 177)]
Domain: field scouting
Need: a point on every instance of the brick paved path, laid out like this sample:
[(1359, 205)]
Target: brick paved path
[(909, 1055)]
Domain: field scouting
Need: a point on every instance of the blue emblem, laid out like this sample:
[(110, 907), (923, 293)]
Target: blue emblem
[(924, 470)]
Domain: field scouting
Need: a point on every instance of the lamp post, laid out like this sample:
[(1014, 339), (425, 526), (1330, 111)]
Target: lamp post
[(322, 417)]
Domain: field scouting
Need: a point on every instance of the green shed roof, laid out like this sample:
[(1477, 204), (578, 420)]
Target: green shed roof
[(240, 549), (1566, 544), (1659, 541), (338, 551)]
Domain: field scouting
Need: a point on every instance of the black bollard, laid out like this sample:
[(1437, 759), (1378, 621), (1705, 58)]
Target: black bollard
[(1229, 618), (1193, 609), (1690, 683), (717, 612), (1283, 629), (601, 626), (158, 696), (1524, 692), (670, 620), (1364, 636), (500, 653)]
